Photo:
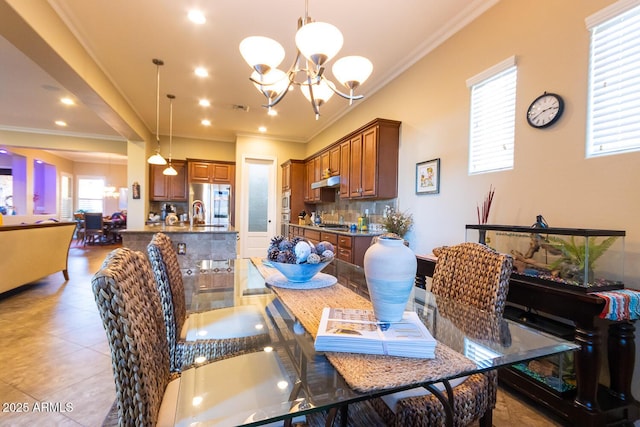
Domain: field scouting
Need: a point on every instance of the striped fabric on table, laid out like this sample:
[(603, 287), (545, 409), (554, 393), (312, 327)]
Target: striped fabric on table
[(623, 304)]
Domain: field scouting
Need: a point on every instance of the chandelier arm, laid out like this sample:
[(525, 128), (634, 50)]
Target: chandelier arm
[(313, 99), (332, 86)]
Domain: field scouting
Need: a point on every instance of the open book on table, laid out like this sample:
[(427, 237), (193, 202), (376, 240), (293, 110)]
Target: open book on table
[(357, 331)]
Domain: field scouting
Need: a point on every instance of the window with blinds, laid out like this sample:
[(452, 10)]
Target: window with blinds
[(613, 113), (90, 194), (492, 122)]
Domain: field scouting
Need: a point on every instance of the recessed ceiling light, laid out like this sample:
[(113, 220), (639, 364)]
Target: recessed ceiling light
[(197, 17), (67, 101), (206, 122), (201, 72), (60, 123), (262, 129), (204, 103)]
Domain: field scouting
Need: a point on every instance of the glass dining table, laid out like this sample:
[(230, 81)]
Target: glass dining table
[(288, 379)]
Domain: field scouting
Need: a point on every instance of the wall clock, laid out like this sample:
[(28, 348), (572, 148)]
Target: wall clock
[(545, 110)]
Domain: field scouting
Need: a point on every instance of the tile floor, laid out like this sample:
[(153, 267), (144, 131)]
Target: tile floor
[(55, 361)]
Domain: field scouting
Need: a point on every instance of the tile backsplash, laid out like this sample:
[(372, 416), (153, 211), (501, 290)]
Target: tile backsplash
[(348, 211)]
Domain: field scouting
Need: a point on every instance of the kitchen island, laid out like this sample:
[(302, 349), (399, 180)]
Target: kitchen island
[(196, 245)]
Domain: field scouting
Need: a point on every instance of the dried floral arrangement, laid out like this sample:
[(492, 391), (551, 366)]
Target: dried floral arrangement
[(483, 217), (398, 222)]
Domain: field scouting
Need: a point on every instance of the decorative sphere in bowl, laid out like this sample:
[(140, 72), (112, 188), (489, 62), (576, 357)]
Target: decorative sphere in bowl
[(298, 273)]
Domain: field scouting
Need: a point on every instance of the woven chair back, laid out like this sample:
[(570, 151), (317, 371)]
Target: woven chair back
[(129, 306), (168, 278), (473, 274)]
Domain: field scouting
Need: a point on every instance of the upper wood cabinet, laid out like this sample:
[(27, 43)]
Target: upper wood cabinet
[(312, 168), (373, 161), (211, 172), (366, 161), (345, 168), (166, 188)]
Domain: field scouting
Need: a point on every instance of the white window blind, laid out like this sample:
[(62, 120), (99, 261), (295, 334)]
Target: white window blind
[(492, 123), (91, 194), (613, 115)]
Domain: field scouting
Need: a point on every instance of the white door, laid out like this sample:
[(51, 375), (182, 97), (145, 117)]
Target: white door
[(259, 206)]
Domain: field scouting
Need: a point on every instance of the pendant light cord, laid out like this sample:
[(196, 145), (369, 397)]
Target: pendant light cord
[(158, 63), (171, 98)]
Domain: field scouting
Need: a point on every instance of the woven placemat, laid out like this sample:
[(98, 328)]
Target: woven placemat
[(364, 372)]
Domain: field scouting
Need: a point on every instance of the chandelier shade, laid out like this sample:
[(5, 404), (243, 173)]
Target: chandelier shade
[(317, 43), (352, 71), (261, 53), (271, 84), (156, 159), (321, 92)]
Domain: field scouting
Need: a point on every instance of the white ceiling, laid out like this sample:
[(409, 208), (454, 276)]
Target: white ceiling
[(123, 36)]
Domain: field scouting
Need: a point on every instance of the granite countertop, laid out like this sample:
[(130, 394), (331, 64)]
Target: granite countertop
[(343, 231), (180, 228)]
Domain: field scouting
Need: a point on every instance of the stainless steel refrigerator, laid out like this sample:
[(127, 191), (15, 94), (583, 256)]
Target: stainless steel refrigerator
[(210, 204)]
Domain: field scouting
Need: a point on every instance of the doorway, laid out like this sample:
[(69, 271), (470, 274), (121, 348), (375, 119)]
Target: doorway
[(258, 199)]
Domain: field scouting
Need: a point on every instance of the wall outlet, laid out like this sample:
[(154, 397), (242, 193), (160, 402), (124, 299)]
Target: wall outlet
[(182, 248)]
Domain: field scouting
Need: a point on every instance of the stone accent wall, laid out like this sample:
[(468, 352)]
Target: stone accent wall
[(199, 247)]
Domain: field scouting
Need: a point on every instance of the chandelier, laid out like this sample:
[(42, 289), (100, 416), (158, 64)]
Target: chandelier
[(157, 159), (317, 43)]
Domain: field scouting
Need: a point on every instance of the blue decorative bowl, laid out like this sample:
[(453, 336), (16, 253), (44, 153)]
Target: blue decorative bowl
[(298, 273)]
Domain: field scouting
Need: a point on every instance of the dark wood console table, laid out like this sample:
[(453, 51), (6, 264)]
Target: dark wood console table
[(592, 404)]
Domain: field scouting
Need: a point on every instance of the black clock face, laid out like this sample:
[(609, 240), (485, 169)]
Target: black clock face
[(545, 110)]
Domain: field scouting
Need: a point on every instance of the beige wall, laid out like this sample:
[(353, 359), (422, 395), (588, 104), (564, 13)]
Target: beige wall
[(115, 174), (551, 175)]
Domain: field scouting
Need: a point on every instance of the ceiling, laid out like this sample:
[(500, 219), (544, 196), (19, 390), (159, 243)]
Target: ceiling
[(123, 36)]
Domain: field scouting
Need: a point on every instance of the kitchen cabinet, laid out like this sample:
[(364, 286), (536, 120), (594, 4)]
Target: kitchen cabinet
[(313, 167), (372, 161), (211, 172), (167, 188), (344, 249), (312, 235), (334, 160), (345, 168), (330, 160)]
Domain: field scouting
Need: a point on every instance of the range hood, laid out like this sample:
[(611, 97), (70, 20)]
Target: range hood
[(331, 182)]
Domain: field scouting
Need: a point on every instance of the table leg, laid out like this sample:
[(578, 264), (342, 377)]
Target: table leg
[(622, 354), (587, 365)]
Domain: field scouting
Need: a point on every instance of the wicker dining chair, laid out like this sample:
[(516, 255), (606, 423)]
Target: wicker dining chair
[(131, 314), (182, 327), (477, 276)]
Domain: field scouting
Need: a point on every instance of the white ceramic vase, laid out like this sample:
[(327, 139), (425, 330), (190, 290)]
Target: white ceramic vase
[(390, 271)]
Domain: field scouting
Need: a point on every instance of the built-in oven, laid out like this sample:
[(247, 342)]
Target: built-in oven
[(285, 218), (286, 201)]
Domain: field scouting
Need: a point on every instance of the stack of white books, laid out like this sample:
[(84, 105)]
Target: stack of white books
[(357, 331)]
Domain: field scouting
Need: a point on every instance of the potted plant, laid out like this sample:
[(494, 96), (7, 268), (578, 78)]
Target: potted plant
[(398, 223)]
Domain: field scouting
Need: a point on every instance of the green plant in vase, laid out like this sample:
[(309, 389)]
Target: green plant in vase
[(575, 257)]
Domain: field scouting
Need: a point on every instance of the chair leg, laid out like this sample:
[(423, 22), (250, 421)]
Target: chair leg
[(487, 419)]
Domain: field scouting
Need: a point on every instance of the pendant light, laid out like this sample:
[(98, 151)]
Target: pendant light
[(157, 159), (170, 170)]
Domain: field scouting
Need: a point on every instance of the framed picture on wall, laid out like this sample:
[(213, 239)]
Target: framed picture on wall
[(428, 177)]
